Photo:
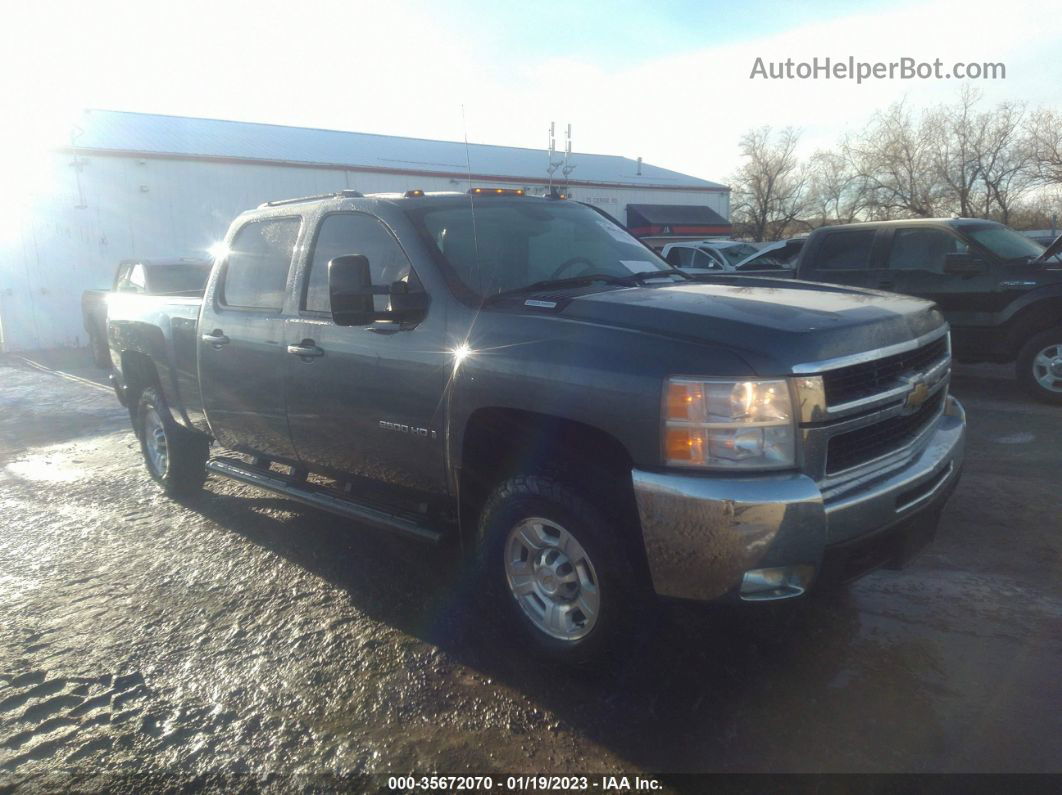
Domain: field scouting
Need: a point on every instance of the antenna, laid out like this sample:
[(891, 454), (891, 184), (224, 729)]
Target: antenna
[(471, 198), (553, 164), (568, 167)]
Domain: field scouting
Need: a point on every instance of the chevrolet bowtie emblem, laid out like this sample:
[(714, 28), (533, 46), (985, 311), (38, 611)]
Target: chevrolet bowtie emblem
[(917, 396)]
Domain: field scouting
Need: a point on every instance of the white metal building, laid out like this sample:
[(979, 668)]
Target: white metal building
[(137, 185)]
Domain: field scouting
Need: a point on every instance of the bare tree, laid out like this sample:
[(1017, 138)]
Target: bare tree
[(1045, 134), (1006, 161), (1038, 210), (769, 190), (895, 155), (952, 159), (957, 133), (837, 193)]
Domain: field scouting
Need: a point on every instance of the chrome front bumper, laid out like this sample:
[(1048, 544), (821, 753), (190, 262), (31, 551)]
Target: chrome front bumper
[(702, 533)]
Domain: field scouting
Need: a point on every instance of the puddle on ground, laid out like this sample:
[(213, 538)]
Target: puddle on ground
[(44, 468)]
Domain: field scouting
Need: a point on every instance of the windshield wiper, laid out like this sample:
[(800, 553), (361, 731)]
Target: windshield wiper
[(632, 280), (571, 281), (644, 276)]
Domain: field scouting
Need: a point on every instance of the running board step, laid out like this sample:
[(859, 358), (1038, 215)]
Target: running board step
[(237, 470)]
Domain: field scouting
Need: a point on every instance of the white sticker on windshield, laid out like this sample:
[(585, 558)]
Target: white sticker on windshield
[(615, 231), (638, 265)]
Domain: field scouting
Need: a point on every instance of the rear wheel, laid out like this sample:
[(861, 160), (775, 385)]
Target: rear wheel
[(1039, 366), (557, 571), (175, 457)]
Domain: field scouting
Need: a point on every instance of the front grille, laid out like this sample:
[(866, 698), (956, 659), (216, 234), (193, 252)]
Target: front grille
[(856, 381), (847, 450)]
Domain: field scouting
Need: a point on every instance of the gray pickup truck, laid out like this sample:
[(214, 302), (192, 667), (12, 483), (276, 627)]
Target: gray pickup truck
[(522, 376)]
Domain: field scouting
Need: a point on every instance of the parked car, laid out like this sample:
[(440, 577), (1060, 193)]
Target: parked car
[(708, 254), (701, 257), (178, 277), (522, 376), (1000, 291)]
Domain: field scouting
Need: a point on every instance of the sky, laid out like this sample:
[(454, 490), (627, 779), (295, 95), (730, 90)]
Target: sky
[(668, 80)]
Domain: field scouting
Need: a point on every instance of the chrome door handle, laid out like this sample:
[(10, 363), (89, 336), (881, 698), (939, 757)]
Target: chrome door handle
[(305, 351), (215, 338)]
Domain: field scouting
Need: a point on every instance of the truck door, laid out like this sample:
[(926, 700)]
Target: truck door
[(916, 267), (367, 401), (843, 256), (241, 332)]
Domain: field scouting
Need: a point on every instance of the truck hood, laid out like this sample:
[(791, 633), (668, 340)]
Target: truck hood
[(774, 324)]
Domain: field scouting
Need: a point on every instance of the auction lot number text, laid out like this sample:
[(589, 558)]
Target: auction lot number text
[(523, 783)]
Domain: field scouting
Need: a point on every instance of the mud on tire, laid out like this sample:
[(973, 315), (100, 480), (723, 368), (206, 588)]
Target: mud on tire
[(545, 541), (175, 457)]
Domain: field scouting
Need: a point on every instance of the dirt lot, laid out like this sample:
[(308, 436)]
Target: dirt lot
[(242, 633)]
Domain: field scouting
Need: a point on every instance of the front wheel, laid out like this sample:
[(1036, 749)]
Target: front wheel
[(1040, 366), (559, 571), (175, 457)]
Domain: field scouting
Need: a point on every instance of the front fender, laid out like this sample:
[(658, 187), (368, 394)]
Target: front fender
[(602, 377)]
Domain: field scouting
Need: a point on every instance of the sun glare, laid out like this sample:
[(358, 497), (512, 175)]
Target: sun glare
[(461, 352)]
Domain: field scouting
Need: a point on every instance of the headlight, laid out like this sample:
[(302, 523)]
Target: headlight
[(717, 424)]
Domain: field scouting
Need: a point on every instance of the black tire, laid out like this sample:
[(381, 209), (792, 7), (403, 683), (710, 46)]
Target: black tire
[(181, 470), (1030, 370), (623, 597), (101, 353)]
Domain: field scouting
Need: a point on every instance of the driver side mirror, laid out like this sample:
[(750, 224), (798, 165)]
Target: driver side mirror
[(350, 290), (963, 263)]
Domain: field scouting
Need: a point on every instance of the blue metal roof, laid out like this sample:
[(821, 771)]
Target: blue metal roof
[(152, 134)]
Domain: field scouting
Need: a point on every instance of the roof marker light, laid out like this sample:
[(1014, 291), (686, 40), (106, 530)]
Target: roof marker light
[(496, 191)]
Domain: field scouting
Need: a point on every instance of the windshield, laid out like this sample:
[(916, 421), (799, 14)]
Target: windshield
[(178, 279), (511, 244), (767, 262), (734, 254), (1004, 242)]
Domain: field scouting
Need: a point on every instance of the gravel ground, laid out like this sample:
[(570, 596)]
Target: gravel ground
[(240, 633)]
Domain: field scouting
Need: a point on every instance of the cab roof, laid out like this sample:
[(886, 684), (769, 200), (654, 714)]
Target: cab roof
[(411, 196), (954, 222)]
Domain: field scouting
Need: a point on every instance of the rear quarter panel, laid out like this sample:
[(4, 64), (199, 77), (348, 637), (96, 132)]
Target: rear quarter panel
[(164, 330)]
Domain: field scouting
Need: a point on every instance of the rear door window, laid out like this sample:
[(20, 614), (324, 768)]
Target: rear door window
[(131, 279), (256, 270), (680, 257), (845, 250), (702, 261)]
